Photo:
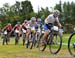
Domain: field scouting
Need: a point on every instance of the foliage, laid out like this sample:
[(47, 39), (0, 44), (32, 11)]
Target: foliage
[(44, 13), (68, 15), (17, 12), (24, 10)]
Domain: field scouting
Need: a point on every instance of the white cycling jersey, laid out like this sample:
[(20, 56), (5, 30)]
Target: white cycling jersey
[(51, 19)]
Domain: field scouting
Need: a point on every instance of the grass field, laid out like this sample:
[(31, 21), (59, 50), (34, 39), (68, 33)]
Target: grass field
[(20, 51)]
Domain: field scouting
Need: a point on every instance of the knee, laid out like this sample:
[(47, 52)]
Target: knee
[(46, 32)]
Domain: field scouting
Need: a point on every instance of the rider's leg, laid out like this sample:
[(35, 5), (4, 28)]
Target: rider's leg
[(6, 39), (27, 34), (45, 34), (8, 36), (23, 36), (35, 34), (35, 37), (16, 38), (19, 34)]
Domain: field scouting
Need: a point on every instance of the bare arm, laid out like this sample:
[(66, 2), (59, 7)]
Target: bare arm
[(46, 20), (58, 23), (4, 28)]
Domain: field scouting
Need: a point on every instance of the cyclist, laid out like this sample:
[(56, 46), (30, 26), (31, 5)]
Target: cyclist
[(32, 27), (49, 22), (17, 30), (7, 29), (24, 30), (39, 31), (39, 22), (24, 25)]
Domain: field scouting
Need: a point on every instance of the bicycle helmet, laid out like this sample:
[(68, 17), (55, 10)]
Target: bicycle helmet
[(18, 22), (39, 19), (25, 21), (56, 12), (9, 23), (33, 19)]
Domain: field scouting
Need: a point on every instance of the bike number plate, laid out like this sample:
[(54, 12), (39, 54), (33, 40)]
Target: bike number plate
[(24, 31), (55, 28), (16, 31), (33, 28), (42, 31), (5, 32)]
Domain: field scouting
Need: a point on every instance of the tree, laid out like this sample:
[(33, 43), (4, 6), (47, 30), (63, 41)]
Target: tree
[(44, 13), (17, 6), (68, 14), (26, 7)]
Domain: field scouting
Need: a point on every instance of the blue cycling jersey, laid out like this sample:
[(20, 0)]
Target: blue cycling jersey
[(34, 25)]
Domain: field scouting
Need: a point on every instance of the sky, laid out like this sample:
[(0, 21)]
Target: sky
[(37, 4)]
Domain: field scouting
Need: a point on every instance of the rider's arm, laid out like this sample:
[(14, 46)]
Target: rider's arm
[(4, 28), (14, 27), (59, 24), (46, 20)]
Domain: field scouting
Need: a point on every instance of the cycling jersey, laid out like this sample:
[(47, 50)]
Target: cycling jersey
[(24, 26), (39, 24), (8, 28), (51, 19), (34, 25), (18, 27), (49, 22)]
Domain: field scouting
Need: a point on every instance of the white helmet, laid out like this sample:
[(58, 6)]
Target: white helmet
[(33, 19), (56, 12), (25, 20)]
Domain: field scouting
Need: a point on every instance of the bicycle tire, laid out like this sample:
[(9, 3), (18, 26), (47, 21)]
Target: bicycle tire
[(52, 43), (69, 42), (39, 45)]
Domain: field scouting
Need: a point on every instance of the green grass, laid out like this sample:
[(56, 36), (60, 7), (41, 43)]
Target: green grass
[(20, 51), (65, 38)]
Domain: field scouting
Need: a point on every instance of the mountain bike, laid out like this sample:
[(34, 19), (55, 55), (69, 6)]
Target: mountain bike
[(54, 40), (16, 36), (39, 35), (31, 41), (23, 36), (5, 37)]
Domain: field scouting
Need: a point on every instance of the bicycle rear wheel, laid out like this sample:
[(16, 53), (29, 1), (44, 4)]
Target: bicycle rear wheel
[(55, 43), (71, 44)]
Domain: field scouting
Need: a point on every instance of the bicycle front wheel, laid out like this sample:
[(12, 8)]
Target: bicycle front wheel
[(71, 44), (40, 46), (55, 43)]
